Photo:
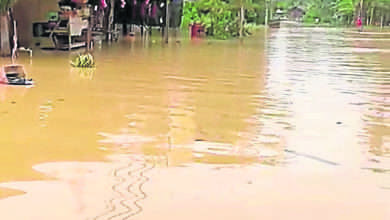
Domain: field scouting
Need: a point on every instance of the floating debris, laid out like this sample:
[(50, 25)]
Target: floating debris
[(14, 74), (311, 157), (83, 61)]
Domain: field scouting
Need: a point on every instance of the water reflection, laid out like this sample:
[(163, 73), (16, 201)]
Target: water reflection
[(83, 73), (190, 106), (298, 97), (12, 93), (229, 111), (319, 77)]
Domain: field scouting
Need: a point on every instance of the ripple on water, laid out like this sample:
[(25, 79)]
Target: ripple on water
[(351, 66)]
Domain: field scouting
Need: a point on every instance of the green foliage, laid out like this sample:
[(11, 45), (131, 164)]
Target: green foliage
[(345, 7), (220, 18), (83, 61), (340, 11), (250, 28), (190, 14), (247, 4), (5, 4), (251, 15)]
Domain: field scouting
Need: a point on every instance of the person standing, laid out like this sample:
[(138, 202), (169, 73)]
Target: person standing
[(359, 24)]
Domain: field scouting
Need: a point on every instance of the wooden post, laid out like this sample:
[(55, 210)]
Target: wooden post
[(4, 36), (266, 13), (89, 30), (382, 20), (241, 20), (110, 27), (167, 22), (372, 15), (70, 22), (15, 43), (14, 35), (70, 34)]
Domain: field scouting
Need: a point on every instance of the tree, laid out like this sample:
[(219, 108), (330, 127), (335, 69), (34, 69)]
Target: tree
[(343, 11), (346, 9), (242, 5), (215, 15)]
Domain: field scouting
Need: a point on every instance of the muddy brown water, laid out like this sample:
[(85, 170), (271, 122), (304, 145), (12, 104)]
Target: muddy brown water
[(283, 98)]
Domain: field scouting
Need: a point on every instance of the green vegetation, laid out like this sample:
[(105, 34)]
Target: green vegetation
[(224, 19), (221, 19), (372, 11), (83, 61), (5, 4), (341, 12)]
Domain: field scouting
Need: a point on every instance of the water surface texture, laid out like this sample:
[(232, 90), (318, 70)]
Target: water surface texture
[(289, 123)]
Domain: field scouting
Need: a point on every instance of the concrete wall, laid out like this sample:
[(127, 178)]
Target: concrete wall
[(28, 11)]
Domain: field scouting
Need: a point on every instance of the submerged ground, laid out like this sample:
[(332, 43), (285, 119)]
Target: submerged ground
[(289, 123)]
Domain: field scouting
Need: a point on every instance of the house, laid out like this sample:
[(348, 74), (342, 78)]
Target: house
[(296, 14)]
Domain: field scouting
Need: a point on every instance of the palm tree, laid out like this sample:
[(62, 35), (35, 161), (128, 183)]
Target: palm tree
[(5, 49)]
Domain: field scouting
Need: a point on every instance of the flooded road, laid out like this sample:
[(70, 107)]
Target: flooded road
[(288, 123)]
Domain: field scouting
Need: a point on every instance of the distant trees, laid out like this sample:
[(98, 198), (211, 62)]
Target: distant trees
[(229, 18), (374, 12)]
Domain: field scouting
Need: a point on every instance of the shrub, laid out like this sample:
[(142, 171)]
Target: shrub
[(83, 61)]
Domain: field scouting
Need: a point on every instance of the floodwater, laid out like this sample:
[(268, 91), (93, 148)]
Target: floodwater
[(289, 123)]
